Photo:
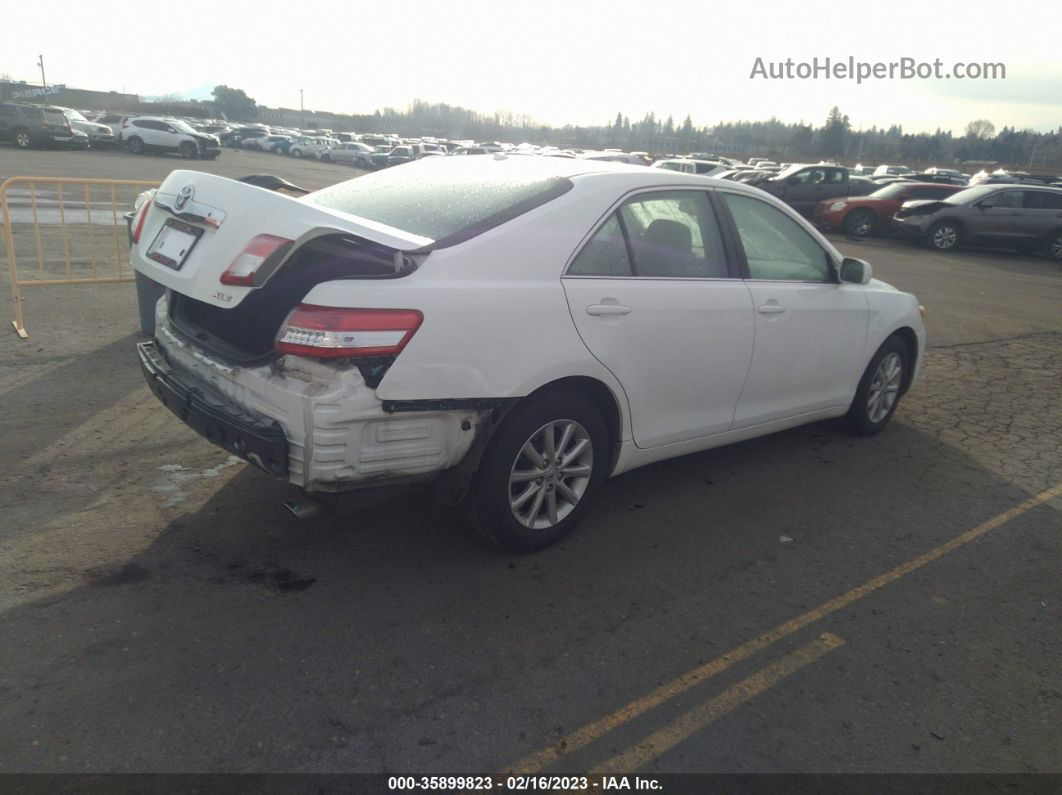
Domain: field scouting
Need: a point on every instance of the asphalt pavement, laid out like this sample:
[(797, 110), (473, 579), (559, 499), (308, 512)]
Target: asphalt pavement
[(806, 602)]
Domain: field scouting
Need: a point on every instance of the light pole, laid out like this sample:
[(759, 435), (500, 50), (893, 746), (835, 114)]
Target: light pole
[(40, 63)]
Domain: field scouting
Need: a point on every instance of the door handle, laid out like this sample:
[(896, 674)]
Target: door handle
[(607, 309), (771, 309)]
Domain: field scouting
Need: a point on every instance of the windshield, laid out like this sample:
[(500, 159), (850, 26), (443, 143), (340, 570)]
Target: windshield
[(434, 200), (890, 191), (788, 172), (970, 195), (73, 115)]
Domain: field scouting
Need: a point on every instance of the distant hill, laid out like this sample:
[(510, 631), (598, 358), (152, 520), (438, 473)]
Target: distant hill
[(201, 93)]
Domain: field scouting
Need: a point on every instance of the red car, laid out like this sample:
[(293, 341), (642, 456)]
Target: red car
[(861, 215)]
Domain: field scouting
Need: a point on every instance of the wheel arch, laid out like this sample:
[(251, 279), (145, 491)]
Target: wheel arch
[(955, 221), (910, 340), (864, 209), (602, 397), (452, 485)]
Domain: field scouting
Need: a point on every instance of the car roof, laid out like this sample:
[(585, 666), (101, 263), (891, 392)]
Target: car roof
[(503, 166)]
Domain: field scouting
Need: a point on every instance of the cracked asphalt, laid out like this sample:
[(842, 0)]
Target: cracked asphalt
[(160, 611)]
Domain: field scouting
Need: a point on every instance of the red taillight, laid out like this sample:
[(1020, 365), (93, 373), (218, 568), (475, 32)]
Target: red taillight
[(243, 268), (140, 220), (330, 332)]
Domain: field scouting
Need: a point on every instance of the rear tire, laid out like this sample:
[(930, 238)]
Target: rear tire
[(1054, 247), (525, 497), (879, 389), (943, 236), (859, 223), (135, 145)]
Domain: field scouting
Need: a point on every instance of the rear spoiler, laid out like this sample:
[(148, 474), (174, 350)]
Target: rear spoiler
[(270, 182)]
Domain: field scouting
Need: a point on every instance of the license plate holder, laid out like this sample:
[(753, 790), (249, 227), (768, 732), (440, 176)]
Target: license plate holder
[(174, 243)]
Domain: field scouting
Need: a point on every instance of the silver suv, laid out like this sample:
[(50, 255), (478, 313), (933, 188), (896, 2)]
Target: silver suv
[(1027, 218)]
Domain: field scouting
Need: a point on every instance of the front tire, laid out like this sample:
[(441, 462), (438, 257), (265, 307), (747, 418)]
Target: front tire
[(943, 236), (859, 223), (879, 389), (540, 472), (22, 138), (189, 151)]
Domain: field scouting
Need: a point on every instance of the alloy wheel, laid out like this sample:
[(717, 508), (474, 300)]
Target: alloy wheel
[(551, 474), (945, 237), (884, 388), (1056, 247)]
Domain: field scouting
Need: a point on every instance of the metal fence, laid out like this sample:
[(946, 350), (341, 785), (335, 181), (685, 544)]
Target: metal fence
[(60, 231)]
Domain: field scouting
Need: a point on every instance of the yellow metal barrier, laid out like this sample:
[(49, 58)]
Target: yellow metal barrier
[(73, 228)]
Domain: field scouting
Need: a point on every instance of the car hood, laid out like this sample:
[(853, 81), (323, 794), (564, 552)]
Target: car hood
[(91, 127), (878, 284)]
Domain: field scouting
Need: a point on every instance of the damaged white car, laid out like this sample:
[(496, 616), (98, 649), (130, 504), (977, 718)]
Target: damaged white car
[(516, 329)]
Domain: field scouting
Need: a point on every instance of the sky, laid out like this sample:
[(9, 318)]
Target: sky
[(561, 62)]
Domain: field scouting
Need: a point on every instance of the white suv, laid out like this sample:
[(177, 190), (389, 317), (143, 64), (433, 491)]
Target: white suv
[(142, 134), (517, 329)]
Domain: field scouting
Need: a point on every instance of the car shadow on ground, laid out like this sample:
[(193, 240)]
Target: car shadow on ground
[(242, 639)]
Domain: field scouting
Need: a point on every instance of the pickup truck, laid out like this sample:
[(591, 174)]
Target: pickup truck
[(802, 187)]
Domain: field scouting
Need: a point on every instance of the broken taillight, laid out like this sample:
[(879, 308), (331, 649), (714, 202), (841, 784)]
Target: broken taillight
[(331, 332), (243, 269)]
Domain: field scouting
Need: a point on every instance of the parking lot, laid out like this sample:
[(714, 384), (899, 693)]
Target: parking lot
[(805, 602)]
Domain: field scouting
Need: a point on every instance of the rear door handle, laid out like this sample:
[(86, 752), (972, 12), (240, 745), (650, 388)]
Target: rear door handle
[(771, 309), (607, 309)]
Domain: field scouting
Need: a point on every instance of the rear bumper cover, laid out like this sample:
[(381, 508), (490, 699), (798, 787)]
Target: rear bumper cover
[(263, 445)]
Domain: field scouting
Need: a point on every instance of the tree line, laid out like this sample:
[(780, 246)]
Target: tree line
[(834, 138)]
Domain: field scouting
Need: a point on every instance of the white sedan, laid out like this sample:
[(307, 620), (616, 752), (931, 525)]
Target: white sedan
[(516, 329)]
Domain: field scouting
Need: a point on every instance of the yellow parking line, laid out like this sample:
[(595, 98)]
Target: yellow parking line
[(596, 729), (699, 717)]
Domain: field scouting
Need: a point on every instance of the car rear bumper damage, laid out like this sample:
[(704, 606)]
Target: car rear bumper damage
[(263, 445), (317, 424)]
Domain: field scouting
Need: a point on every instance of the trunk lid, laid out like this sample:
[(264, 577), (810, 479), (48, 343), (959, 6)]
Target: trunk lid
[(226, 216)]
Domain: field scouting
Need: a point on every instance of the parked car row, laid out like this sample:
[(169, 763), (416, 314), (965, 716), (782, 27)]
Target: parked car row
[(26, 125)]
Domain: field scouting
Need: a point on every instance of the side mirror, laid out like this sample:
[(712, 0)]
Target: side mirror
[(856, 271)]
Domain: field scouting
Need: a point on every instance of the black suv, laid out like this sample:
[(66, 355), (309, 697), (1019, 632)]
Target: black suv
[(33, 125)]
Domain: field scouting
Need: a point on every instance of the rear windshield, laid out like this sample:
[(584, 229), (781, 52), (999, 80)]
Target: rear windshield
[(446, 204)]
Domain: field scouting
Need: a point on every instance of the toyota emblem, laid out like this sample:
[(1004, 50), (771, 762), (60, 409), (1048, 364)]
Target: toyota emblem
[(183, 197)]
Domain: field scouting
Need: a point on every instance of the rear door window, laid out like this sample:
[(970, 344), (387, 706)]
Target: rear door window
[(1042, 200), (674, 234), (605, 254)]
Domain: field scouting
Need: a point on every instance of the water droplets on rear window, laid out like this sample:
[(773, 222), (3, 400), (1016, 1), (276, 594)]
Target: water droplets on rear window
[(439, 201)]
